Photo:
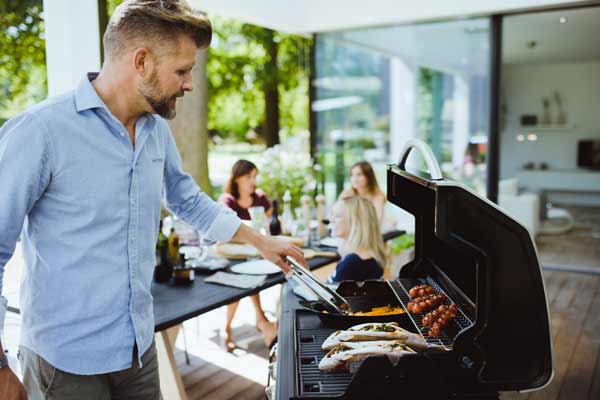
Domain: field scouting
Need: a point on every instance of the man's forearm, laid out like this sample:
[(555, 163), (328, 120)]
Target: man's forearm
[(248, 235)]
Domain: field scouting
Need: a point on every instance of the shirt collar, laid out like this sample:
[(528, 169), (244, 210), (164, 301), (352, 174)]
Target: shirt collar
[(86, 97)]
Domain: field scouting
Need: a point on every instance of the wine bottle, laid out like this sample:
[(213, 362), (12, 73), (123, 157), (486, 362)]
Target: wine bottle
[(287, 218), (274, 224)]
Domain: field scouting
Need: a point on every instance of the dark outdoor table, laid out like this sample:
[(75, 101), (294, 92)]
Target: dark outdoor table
[(175, 304)]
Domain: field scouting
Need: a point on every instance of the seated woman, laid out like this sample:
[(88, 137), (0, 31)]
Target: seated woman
[(355, 221), (363, 183), (240, 194)]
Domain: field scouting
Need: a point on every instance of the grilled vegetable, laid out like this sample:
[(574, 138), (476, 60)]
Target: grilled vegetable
[(379, 311)]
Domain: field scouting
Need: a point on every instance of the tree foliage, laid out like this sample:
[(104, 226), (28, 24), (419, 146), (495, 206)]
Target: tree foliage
[(240, 71), (22, 55)]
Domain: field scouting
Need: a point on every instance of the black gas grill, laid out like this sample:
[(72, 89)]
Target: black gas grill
[(483, 261)]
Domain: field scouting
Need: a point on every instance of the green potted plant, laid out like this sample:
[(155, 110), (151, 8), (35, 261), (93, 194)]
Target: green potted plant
[(402, 251), (282, 169)]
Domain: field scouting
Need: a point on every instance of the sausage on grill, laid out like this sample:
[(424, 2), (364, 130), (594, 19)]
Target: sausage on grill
[(421, 290), (439, 318), (424, 303)]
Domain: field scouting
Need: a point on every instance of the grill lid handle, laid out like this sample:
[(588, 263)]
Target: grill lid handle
[(432, 164)]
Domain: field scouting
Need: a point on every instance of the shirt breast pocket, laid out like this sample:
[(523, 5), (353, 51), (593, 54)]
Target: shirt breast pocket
[(153, 167)]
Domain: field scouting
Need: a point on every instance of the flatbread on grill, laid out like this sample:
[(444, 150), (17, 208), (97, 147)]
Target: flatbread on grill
[(375, 332), (345, 355)]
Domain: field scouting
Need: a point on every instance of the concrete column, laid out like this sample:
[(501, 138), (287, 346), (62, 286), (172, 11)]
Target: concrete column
[(403, 95), (72, 42), (460, 134)]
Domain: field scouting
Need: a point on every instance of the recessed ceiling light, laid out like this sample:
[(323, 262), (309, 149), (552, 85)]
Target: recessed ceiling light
[(563, 20)]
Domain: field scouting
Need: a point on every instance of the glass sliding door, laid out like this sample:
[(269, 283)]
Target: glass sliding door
[(376, 88)]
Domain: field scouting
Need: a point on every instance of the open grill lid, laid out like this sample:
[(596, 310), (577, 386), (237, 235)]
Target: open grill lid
[(486, 262)]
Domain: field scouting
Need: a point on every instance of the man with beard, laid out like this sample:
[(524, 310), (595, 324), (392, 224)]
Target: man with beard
[(82, 176)]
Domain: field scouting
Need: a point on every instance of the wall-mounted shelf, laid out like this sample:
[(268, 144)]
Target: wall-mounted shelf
[(550, 128)]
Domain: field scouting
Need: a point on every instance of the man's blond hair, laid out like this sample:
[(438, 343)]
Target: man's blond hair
[(155, 24)]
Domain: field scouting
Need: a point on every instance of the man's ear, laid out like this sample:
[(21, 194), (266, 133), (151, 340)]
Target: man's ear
[(143, 62)]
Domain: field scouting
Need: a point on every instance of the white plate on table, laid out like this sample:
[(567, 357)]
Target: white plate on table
[(256, 267), (331, 242)]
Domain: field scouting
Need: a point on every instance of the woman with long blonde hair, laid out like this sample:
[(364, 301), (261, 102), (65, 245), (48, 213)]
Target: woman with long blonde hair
[(355, 221)]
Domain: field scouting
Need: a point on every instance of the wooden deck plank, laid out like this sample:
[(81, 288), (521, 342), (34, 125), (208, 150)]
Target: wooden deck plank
[(255, 392), (570, 310), (580, 372), (202, 388), (513, 396), (554, 281), (595, 388), (561, 289), (206, 381), (183, 367), (238, 384)]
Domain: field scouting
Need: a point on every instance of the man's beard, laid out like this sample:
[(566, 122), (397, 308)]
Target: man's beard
[(162, 105)]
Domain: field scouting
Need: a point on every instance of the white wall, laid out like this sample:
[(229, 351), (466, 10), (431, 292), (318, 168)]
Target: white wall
[(524, 86)]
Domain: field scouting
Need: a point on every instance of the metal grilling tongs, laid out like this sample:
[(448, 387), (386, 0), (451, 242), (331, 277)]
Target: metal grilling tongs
[(331, 300)]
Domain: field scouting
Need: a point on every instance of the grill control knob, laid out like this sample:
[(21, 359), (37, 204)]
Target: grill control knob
[(466, 362)]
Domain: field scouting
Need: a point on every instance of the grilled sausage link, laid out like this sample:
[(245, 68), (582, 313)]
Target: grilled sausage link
[(424, 303), (439, 318), (420, 290)]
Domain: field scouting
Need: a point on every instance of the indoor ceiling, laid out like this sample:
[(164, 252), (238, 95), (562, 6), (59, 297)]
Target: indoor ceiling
[(308, 16), (542, 37)]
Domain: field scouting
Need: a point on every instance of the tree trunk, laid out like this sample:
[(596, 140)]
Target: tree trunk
[(271, 132), (190, 126)]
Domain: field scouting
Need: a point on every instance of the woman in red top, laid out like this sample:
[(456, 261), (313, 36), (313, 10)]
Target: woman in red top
[(240, 194)]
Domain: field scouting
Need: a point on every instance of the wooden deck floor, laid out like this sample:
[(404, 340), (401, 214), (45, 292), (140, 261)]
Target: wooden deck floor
[(206, 381), (575, 312), (574, 301)]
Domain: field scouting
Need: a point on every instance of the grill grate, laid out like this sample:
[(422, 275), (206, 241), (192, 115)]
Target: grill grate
[(312, 382), (449, 332)]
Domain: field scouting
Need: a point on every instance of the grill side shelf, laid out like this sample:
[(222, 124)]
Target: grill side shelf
[(446, 338)]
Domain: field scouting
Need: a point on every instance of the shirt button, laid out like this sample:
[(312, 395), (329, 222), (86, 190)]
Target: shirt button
[(122, 134)]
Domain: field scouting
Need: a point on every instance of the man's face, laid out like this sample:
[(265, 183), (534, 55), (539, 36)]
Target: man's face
[(171, 77)]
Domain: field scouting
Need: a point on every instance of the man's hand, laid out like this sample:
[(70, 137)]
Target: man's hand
[(275, 250), (10, 386), (270, 248)]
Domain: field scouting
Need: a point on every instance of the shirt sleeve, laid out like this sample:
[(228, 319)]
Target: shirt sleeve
[(184, 198), (24, 175)]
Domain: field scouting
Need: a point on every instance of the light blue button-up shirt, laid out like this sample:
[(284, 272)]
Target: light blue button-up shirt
[(88, 205)]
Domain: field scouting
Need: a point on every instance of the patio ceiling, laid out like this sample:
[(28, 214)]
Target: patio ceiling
[(308, 16)]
